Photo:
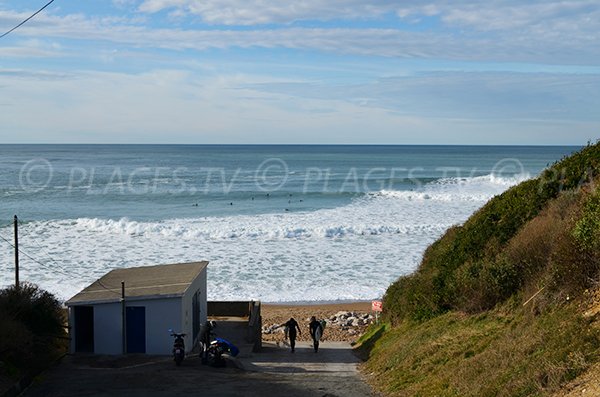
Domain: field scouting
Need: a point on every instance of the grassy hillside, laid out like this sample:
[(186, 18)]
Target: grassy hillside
[(495, 306), (470, 269)]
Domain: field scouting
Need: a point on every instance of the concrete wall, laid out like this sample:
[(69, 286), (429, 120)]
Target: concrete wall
[(239, 321), (229, 308)]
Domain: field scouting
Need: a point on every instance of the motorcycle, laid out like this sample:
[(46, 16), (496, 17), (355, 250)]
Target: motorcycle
[(178, 348), (217, 348)]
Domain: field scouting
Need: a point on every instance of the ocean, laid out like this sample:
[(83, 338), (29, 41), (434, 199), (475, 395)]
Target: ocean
[(279, 223)]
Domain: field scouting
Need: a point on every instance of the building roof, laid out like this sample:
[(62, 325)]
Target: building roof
[(148, 282)]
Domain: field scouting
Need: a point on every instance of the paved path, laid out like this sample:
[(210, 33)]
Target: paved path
[(333, 358), (274, 371)]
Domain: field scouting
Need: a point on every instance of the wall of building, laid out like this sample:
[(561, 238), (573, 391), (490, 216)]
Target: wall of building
[(161, 316), (108, 329), (198, 285)]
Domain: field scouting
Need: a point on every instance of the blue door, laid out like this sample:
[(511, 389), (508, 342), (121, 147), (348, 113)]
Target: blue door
[(136, 329)]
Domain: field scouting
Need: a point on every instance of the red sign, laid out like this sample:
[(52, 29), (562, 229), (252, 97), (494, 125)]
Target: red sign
[(377, 306)]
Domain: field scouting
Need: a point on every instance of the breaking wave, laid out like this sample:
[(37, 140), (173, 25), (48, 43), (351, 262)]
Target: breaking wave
[(354, 250)]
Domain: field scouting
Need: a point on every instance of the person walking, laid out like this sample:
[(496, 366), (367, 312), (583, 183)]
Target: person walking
[(206, 334), (316, 332), (292, 326)]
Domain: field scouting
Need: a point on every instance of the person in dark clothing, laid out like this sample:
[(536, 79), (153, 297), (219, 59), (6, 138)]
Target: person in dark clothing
[(316, 331), (292, 326), (206, 334)]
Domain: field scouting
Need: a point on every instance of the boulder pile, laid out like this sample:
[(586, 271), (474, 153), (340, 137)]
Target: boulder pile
[(350, 319), (353, 323)]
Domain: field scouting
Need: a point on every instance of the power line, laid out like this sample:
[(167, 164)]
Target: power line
[(68, 273), (60, 269), (41, 249), (46, 253), (22, 223), (25, 21)]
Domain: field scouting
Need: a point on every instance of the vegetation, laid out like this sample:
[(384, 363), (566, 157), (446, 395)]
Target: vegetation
[(497, 353), (495, 307), (468, 268), (32, 332)]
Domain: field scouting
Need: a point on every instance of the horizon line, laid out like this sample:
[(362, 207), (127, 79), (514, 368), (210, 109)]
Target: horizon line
[(305, 144)]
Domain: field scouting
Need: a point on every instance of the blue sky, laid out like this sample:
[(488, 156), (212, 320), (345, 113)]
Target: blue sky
[(311, 71)]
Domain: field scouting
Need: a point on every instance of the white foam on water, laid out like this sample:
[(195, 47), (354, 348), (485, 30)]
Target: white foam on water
[(351, 252)]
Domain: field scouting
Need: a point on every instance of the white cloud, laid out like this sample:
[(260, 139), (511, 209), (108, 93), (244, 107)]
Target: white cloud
[(490, 95), (484, 15), (221, 99), (524, 15), (181, 106), (552, 32), (365, 42), (168, 105), (253, 12)]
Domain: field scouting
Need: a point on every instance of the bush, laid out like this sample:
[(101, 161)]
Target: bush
[(587, 229), (483, 262), (32, 332)]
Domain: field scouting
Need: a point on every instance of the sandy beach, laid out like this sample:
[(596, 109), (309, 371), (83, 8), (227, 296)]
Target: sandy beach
[(279, 314)]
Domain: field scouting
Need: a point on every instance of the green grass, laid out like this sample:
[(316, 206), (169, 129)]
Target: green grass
[(458, 327), (499, 353)]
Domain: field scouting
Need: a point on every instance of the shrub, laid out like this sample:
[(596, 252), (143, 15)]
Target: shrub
[(587, 229), (483, 262), (32, 331)]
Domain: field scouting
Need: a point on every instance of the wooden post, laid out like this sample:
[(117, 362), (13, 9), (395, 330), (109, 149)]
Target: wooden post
[(16, 252)]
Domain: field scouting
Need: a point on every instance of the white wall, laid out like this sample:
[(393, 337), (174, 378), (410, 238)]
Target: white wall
[(187, 325), (161, 315), (107, 329)]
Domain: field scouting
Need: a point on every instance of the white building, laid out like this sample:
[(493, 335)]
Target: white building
[(157, 299)]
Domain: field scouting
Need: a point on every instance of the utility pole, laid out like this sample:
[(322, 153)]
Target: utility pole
[(16, 252), (123, 319)]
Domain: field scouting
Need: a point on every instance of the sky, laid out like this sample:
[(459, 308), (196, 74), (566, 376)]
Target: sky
[(303, 71)]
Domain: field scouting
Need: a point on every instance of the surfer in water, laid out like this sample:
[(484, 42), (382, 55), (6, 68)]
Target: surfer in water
[(292, 326), (316, 332)]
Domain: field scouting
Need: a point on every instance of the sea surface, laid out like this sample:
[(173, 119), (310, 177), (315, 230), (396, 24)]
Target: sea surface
[(277, 223)]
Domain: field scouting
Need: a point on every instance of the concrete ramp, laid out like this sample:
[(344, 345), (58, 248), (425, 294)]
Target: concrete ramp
[(333, 358)]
